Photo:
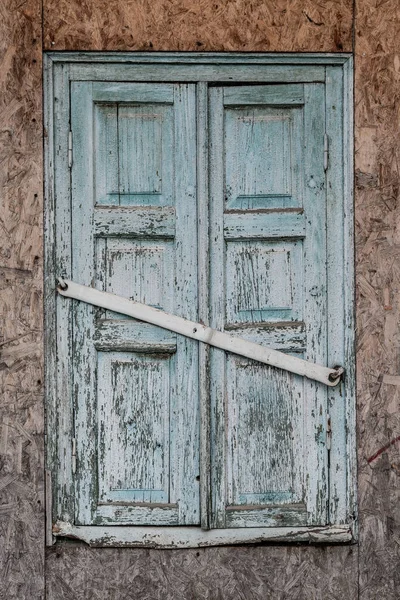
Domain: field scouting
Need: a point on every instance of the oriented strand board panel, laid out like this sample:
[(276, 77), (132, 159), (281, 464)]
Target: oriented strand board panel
[(280, 573), (378, 301), (219, 25), (21, 351)]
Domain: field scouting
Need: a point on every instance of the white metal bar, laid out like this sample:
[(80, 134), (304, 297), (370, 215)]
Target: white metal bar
[(199, 332)]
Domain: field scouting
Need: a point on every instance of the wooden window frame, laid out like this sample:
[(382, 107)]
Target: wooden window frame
[(336, 72)]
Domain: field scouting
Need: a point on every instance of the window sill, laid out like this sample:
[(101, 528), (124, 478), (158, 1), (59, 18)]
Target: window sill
[(194, 537)]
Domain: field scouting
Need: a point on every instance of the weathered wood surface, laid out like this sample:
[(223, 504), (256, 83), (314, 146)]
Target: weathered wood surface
[(378, 309), (193, 537), (126, 453), (262, 281), (300, 25), (21, 352)]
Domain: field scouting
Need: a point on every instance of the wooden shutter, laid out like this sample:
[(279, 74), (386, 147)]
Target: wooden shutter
[(134, 228), (268, 284)]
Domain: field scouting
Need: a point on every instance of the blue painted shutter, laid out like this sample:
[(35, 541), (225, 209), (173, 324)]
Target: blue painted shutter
[(134, 233), (268, 284)]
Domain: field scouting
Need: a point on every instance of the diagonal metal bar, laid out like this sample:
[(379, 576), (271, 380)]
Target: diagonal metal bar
[(201, 333)]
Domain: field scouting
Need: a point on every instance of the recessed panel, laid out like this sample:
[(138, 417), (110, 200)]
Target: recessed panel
[(141, 270), (262, 152), (263, 281), (263, 449), (134, 154), (106, 154), (133, 428)]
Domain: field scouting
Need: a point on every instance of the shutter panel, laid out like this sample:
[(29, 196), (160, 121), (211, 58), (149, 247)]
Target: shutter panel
[(268, 285), (134, 224)]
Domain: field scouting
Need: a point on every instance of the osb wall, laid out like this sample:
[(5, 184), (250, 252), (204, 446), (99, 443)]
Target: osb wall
[(378, 301), (21, 314), (219, 25), (74, 571)]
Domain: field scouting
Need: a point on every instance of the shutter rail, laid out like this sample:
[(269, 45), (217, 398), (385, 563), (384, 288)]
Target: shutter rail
[(197, 331)]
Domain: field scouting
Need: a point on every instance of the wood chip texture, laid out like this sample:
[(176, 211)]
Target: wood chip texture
[(205, 25), (21, 314), (252, 573), (378, 285)]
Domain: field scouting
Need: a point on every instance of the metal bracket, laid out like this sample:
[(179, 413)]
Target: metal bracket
[(326, 152), (70, 149), (336, 375), (73, 455), (328, 432)]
